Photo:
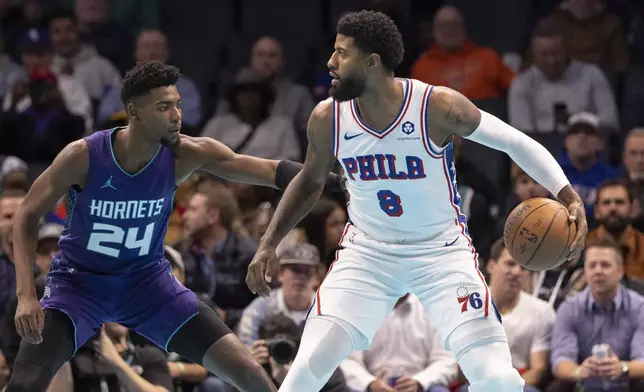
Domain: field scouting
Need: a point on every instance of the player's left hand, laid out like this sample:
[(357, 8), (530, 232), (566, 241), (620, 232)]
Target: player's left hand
[(106, 349), (260, 270), (577, 215), (407, 384)]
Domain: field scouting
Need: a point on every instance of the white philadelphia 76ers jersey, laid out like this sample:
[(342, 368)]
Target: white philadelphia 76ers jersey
[(402, 186)]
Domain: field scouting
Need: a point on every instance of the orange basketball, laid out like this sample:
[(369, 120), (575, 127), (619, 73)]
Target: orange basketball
[(538, 234)]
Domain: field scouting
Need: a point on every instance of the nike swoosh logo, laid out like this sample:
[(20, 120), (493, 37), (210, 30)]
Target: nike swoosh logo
[(347, 137), (452, 243)]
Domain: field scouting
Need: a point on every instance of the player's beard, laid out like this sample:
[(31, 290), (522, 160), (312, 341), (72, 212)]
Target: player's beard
[(348, 88)]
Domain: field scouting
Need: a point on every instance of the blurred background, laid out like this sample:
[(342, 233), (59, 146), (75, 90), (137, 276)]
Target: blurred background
[(568, 73)]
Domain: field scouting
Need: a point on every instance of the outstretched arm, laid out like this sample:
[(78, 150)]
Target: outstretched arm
[(299, 198), (451, 113), (212, 156)]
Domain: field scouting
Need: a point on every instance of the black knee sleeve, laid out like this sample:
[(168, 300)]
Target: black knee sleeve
[(36, 364), (29, 377), (197, 335)]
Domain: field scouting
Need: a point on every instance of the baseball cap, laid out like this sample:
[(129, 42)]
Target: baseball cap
[(303, 253), (583, 122), (35, 41), (50, 231)]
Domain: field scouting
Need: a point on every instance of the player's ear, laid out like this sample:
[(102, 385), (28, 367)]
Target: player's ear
[(131, 109), (373, 60)]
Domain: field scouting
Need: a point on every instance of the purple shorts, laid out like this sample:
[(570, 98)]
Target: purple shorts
[(150, 301)]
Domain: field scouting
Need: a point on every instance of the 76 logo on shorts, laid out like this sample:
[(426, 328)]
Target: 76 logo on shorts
[(465, 298)]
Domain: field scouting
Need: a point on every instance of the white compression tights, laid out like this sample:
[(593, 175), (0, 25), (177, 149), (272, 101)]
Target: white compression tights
[(324, 345), (488, 368)]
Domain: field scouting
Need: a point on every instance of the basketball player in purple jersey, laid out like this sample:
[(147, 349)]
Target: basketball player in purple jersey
[(120, 186)]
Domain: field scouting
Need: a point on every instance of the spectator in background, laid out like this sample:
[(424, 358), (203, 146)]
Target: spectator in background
[(554, 87), (25, 15), (112, 40), (48, 125), (217, 251), (283, 336), (111, 363), (633, 159), (36, 54), (71, 57), (527, 320), (47, 247), (591, 34), (613, 212), (292, 100), (13, 174), (604, 313), (9, 71), (582, 161), (250, 127), (406, 355), (10, 201), (524, 187), (297, 278), (153, 45), (457, 62), (323, 227)]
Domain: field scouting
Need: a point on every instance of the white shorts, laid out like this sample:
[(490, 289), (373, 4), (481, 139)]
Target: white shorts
[(369, 276)]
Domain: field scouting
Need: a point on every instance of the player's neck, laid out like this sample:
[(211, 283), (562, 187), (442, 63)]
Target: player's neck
[(381, 99), (135, 144)]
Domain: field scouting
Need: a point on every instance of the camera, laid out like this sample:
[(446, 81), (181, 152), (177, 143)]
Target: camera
[(282, 348)]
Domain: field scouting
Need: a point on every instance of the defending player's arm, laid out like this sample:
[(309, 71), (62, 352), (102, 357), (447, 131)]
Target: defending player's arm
[(299, 198), (69, 168), (220, 160), (449, 112)]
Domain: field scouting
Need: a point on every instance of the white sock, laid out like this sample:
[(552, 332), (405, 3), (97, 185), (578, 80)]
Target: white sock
[(324, 345)]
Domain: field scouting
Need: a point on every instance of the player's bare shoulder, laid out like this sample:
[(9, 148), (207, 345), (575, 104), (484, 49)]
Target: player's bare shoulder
[(193, 152), (450, 112), (320, 126), (72, 164)]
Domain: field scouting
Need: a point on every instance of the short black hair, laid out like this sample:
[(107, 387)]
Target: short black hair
[(146, 76), (374, 32)]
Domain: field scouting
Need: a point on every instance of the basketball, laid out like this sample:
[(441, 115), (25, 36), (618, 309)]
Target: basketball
[(538, 235)]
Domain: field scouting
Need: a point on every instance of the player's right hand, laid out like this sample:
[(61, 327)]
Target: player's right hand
[(30, 319), (259, 351), (260, 270)]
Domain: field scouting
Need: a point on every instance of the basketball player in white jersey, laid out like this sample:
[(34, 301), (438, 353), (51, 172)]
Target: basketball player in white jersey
[(406, 233)]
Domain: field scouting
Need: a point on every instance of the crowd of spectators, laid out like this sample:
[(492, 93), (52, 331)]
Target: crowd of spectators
[(568, 73)]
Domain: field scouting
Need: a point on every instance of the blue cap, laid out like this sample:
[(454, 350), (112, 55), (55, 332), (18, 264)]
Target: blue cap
[(36, 40)]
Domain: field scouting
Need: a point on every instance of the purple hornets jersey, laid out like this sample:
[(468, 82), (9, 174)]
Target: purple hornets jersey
[(118, 221)]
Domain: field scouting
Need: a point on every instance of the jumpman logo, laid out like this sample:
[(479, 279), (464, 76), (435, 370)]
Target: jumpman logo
[(108, 184)]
